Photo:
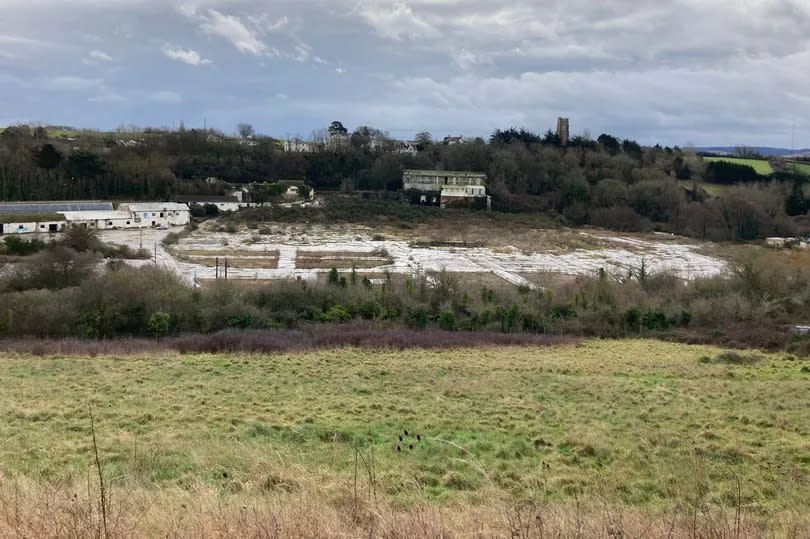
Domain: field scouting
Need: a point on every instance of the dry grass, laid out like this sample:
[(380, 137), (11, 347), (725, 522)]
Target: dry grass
[(34, 510), (238, 263), (340, 260), (238, 253), (605, 439)]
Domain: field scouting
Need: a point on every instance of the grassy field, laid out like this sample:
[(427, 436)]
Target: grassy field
[(760, 165), (800, 167), (712, 189), (642, 425)]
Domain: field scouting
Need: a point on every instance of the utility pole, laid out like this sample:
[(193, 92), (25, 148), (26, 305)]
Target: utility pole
[(216, 271), (140, 229), (155, 253), (226, 269)]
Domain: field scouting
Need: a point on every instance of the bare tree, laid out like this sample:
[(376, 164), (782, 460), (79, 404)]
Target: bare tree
[(245, 130), (424, 138)]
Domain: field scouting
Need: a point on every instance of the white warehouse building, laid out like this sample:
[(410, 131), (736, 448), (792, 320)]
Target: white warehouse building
[(28, 217), (149, 214)]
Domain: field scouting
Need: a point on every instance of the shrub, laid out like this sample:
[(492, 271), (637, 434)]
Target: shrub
[(336, 313), (632, 319), (56, 268), (447, 321), (735, 358), (159, 323), (171, 238), (21, 247), (654, 320), (531, 322), (417, 318)]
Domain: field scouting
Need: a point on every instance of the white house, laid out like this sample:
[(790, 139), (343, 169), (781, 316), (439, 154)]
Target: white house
[(149, 214), (100, 220)]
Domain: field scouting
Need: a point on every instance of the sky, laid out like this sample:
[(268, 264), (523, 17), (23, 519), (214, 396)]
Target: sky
[(678, 72)]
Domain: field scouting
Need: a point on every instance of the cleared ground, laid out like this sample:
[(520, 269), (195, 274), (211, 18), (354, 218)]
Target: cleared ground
[(307, 251)]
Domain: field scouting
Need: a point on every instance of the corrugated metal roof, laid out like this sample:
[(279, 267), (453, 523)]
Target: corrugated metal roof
[(96, 215), (52, 207), (214, 199), (152, 206)]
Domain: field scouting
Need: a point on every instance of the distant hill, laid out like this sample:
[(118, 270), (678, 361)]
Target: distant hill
[(764, 151)]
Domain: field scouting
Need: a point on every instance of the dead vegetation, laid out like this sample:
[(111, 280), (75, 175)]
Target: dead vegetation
[(354, 510), (342, 259), (238, 263)]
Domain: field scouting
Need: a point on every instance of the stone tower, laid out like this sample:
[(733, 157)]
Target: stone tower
[(562, 131)]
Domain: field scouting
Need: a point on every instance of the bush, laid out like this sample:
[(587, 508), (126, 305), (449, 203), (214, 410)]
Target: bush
[(56, 268), (532, 323), (654, 320), (21, 247), (417, 318), (619, 218), (159, 323), (447, 321)]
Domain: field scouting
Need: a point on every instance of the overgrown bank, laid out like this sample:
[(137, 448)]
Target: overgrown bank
[(67, 294)]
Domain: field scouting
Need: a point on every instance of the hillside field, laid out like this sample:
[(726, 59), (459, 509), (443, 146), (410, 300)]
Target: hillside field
[(804, 168), (760, 165), (187, 444)]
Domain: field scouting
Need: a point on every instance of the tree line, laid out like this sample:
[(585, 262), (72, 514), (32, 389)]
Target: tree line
[(607, 181)]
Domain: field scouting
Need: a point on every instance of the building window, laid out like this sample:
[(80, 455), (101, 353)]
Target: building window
[(109, 223), (153, 215), (127, 222), (161, 214), (41, 226)]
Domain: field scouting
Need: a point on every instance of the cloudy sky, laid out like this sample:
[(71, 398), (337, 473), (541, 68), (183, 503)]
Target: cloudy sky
[(677, 71)]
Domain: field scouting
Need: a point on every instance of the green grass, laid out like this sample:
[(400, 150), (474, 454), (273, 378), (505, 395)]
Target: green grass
[(31, 217), (636, 421), (804, 168), (760, 165), (712, 189)]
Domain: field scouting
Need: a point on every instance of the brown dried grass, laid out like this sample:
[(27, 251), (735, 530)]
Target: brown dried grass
[(29, 509)]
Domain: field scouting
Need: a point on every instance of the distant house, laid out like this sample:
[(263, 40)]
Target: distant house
[(298, 145), (446, 187), (406, 147), (222, 202), (296, 189), (150, 214), (453, 140)]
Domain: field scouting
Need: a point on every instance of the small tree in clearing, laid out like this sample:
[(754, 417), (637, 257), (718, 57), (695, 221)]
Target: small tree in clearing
[(159, 323)]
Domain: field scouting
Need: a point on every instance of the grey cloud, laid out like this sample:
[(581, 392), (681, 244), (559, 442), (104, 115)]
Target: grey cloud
[(706, 71)]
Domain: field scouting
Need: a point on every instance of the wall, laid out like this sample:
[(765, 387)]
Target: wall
[(30, 228)]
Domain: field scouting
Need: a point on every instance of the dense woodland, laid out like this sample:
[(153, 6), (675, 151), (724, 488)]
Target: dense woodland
[(607, 182)]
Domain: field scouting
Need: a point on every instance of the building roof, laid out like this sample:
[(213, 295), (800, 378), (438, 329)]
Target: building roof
[(152, 206), (411, 172), (290, 183), (53, 207), (206, 199), (96, 215)]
